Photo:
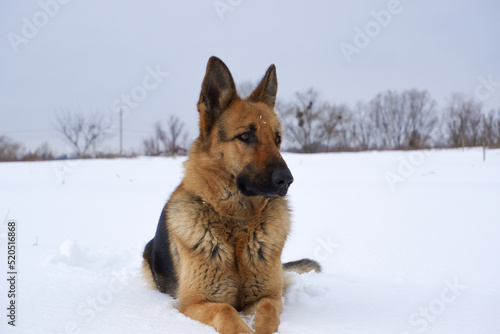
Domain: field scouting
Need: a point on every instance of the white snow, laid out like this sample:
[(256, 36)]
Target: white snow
[(408, 241)]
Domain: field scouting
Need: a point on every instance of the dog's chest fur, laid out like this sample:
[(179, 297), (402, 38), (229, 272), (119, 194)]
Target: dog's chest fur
[(236, 261)]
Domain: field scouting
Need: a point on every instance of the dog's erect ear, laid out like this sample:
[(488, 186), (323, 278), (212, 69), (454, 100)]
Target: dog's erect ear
[(217, 93), (267, 89)]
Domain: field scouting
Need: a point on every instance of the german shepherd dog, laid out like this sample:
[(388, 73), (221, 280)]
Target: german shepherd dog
[(219, 240)]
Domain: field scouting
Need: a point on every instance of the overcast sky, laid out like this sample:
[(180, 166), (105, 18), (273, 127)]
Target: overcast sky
[(149, 56)]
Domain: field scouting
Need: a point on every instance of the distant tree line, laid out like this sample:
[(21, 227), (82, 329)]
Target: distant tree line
[(85, 132), (14, 151), (391, 120)]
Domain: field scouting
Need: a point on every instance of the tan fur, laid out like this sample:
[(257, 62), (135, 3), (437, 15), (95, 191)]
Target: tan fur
[(236, 276), (226, 246)]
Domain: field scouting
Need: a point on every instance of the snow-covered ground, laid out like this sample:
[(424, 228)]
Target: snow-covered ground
[(408, 241)]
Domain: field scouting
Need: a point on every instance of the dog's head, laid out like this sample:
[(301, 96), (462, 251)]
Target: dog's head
[(243, 136)]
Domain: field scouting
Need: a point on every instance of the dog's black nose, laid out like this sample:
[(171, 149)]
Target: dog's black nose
[(282, 178)]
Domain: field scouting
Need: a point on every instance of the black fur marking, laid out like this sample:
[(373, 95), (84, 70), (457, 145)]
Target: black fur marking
[(267, 88), (261, 253), (277, 141), (222, 136), (214, 252), (228, 195), (216, 290), (157, 253), (262, 227), (200, 241), (249, 253), (217, 91)]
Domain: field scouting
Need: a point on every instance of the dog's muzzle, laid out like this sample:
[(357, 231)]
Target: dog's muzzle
[(274, 183)]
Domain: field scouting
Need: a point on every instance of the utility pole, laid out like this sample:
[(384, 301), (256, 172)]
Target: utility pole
[(121, 132), (484, 139)]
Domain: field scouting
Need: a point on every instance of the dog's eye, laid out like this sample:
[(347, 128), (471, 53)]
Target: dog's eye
[(247, 137), (244, 136), (278, 139)]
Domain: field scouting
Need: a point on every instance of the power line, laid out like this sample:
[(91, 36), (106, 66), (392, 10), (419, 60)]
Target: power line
[(139, 131), (34, 131), (42, 131)]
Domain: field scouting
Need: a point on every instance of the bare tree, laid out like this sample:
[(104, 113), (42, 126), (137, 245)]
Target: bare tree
[(170, 141), (302, 121), (362, 131), (462, 119), (422, 118), (316, 125), (151, 146), (492, 128), (388, 117), (402, 120), (382, 116), (83, 131), (10, 150), (334, 127)]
